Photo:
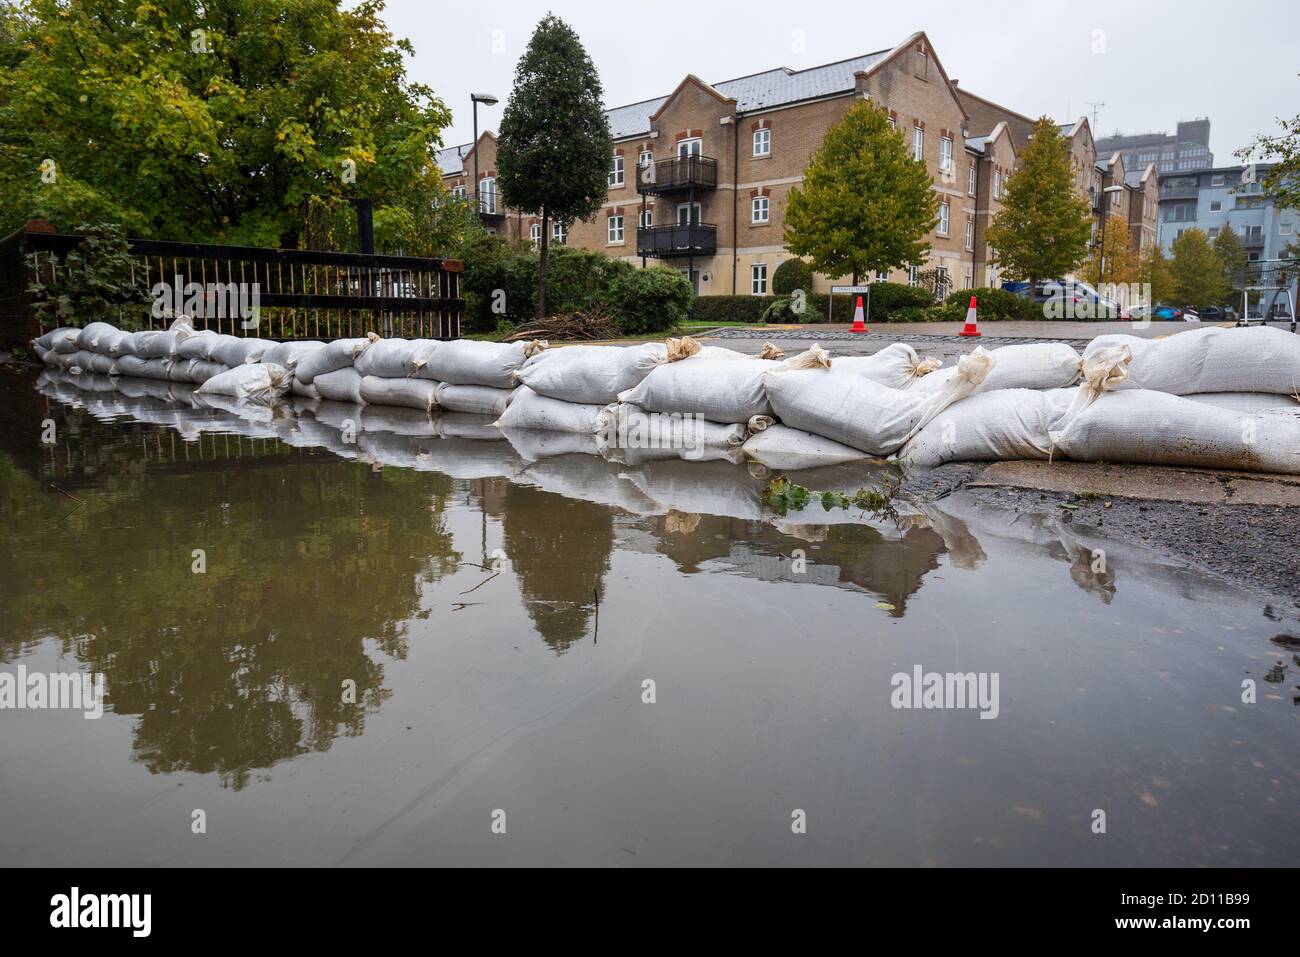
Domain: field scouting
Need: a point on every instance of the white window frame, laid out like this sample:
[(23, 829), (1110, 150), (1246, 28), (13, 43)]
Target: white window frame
[(970, 234), (997, 184), (1216, 205), (615, 177), (559, 234), (614, 231), (460, 192), (945, 153), (758, 279), (535, 234), (1216, 179), (645, 158), (918, 143), (760, 210), (1285, 229), (945, 220), (645, 219), (970, 179), (912, 276), (691, 146), (763, 142), (882, 275), (487, 194)]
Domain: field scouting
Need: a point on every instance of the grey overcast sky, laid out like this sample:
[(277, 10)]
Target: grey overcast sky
[(1150, 63)]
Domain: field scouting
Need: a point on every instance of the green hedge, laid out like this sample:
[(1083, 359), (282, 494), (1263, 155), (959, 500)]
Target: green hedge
[(994, 304), (720, 309), (500, 285), (791, 275)]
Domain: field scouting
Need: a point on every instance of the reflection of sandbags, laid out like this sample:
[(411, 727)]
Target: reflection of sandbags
[(864, 414), (339, 354), (1155, 428), (590, 374), (474, 399), (1034, 365), (1246, 401), (399, 421), (238, 350), (528, 410), (288, 354), (964, 549), (897, 366), (341, 385), (466, 362), (468, 458), (395, 358), (706, 488), (625, 426), (992, 426), (782, 448), (535, 444), (468, 425), (259, 384), (1213, 359), (588, 478), (408, 393)]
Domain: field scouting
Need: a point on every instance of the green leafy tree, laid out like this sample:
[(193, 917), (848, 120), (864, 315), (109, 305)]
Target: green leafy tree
[(1154, 272), (212, 123), (1232, 259), (865, 204), (1121, 262), (95, 282), (1043, 228), (554, 149), (1196, 271)]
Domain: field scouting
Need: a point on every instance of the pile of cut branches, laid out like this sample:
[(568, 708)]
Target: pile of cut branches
[(579, 325)]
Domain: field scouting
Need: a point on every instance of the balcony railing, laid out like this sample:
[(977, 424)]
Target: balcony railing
[(1179, 192), (678, 239), (677, 175), (489, 204)]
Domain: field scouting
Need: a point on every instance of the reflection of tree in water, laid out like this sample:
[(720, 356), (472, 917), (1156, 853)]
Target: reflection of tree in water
[(559, 548), (243, 666)]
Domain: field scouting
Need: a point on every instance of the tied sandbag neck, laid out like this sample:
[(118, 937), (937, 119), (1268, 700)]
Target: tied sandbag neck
[(1101, 372)]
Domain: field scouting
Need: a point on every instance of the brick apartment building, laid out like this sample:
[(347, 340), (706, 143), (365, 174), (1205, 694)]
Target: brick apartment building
[(699, 179)]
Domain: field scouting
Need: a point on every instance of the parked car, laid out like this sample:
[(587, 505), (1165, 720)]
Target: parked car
[(1219, 314), (1168, 313), (1069, 299)]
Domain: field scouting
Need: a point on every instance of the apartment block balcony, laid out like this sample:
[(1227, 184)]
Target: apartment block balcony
[(490, 209), (679, 175), (678, 239), (1253, 240), (1174, 191)]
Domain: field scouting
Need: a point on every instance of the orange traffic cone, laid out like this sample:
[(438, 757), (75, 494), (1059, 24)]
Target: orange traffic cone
[(970, 329), (859, 322)]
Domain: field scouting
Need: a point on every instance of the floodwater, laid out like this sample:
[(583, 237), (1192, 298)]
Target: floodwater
[(612, 663)]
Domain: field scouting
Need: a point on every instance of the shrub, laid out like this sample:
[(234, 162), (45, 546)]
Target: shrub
[(791, 275), (889, 296), (720, 309), (648, 300), (995, 304), (98, 283)]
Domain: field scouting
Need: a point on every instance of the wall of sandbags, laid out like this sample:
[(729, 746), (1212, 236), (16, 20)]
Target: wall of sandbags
[(1215, 397)]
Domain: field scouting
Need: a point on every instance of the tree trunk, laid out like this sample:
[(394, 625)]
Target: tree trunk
[(541, 266)]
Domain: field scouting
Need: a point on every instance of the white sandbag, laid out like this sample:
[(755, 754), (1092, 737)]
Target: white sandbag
[(258, 383), (407, 393), (474, 399), (304, 390), (88, 338), (341, 385), (137, 367), (466, 362), (1004, 424), (897, 365), (782, 448), (1246, 401), (688, 436), (395, 358), (1213, 359), (83, 360), (721, 390), (197, 371), (287, 354), (152, 344), (237, 351), (339, 354), (198, 346), (864, 414), (1146, 427), (528, 410), (1034, 365), (60, 340), (590, 374)]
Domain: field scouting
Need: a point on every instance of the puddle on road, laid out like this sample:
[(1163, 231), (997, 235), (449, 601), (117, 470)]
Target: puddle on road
[(771, 644)]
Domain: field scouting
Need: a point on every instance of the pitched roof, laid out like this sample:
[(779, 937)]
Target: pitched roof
[(452, 159)]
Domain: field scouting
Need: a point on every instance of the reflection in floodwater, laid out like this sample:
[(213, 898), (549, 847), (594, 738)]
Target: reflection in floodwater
[(331, 536)]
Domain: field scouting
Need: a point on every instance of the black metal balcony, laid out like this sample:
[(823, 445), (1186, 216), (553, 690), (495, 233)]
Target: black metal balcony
[(679, 239), (489, 206), (677, 175)]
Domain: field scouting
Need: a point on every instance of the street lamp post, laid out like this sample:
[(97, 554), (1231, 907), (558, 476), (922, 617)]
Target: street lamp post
[(487, 99)]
